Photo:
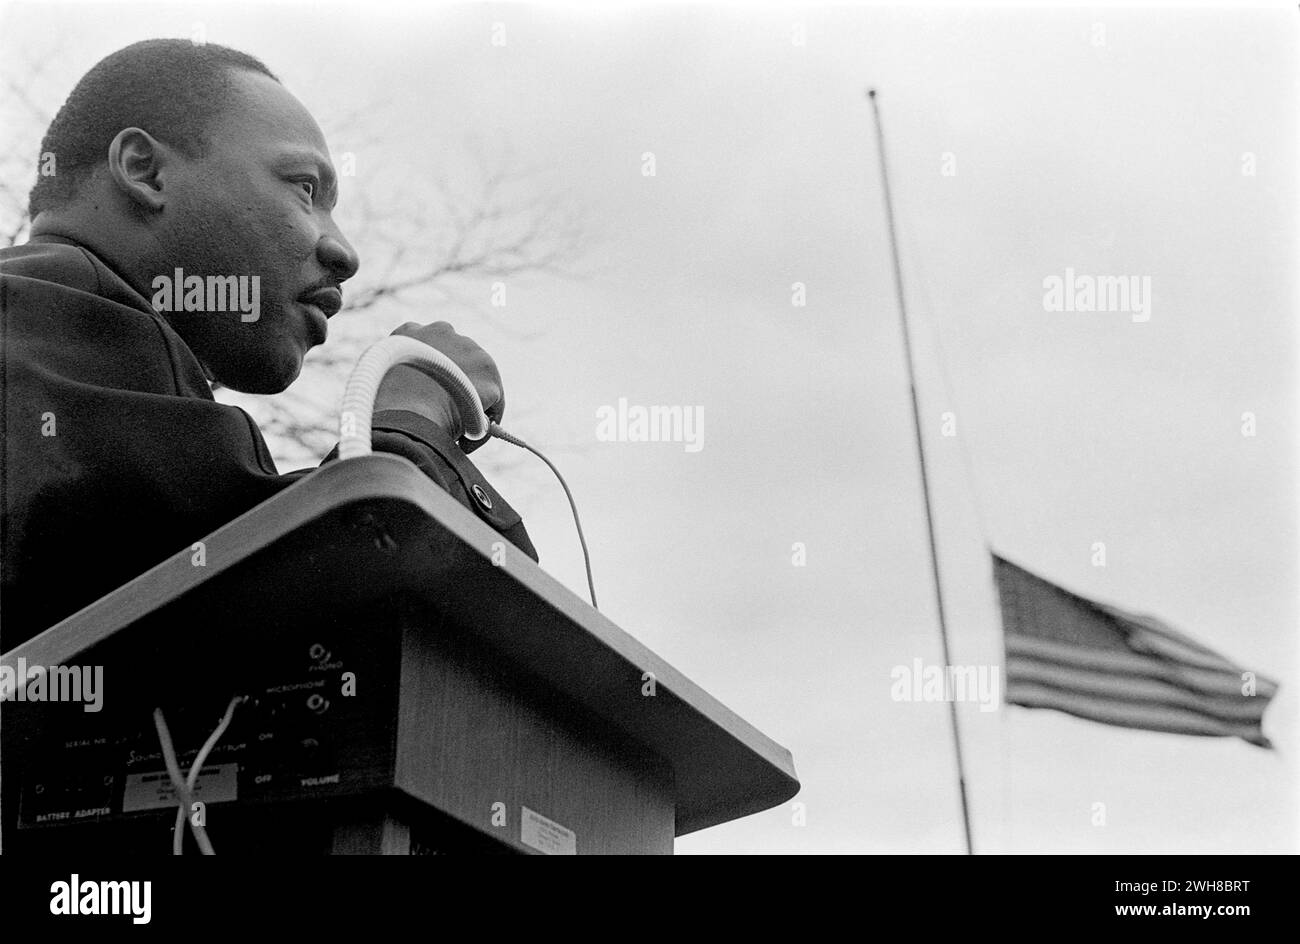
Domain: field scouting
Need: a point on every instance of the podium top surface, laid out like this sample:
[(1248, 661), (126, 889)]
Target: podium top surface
[(377, 523)]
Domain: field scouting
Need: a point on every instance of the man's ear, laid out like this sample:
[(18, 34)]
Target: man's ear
[(135, 160)]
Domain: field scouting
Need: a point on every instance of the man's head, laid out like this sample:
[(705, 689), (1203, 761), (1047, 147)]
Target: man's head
[(170, 155)]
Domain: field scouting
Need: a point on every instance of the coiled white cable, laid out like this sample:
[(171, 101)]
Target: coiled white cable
[(363, 386)]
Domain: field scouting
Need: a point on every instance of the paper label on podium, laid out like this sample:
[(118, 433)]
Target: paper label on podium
[(151, 791), (546, 835)]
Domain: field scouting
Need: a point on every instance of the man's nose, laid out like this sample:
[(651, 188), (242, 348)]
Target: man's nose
[(337, 255)]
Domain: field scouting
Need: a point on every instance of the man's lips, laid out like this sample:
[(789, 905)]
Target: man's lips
[(323, 303), (318, 322), (328, 300)]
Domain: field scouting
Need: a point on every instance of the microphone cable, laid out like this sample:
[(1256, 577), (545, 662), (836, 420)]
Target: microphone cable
[(496, 431)]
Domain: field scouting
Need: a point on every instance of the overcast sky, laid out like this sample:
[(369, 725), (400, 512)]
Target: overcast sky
[(1104, 140)]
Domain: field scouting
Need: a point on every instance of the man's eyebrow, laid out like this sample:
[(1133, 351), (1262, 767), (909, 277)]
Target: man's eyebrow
[(328, 179)]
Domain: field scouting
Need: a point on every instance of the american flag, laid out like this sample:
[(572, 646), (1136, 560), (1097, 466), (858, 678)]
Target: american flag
[(1098, 662)]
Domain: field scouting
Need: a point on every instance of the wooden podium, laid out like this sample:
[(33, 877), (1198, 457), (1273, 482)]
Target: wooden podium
[(414, 685)]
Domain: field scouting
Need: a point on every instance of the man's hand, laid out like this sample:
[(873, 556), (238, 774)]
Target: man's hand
[(405, 388)]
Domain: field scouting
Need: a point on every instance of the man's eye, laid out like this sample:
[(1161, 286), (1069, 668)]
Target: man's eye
[(311, 188)]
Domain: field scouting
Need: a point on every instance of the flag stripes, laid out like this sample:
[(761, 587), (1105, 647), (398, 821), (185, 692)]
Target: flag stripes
[(1094, 661), (1148, 716)]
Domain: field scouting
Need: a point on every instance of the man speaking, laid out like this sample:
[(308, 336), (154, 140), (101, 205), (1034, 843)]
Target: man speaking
[(175, 161)]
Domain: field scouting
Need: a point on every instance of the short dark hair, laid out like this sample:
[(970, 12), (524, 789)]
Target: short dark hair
[(171, 88)]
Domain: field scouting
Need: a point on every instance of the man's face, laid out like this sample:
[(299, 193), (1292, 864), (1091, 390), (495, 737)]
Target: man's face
[(258, 203)]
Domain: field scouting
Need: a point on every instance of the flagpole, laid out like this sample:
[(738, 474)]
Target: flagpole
[(925, 484)]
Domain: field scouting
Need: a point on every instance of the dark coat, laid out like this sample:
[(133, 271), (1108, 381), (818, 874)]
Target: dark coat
[(143, 461)]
